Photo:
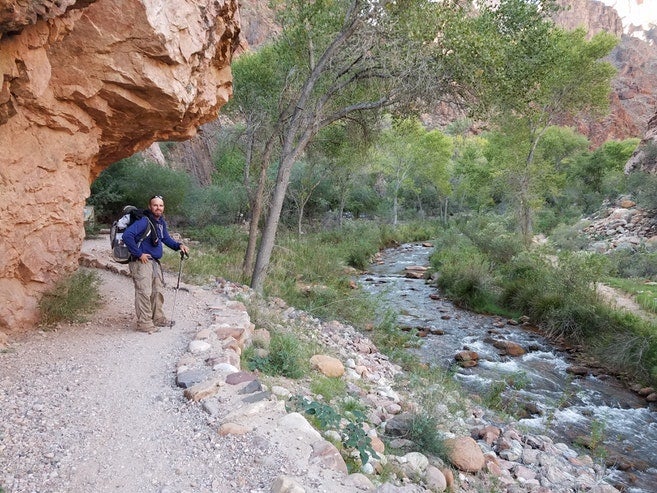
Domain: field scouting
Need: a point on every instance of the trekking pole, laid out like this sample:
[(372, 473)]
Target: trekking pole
[(183, 256)]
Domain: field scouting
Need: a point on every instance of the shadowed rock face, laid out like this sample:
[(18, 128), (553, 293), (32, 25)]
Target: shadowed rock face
[(83, 85)]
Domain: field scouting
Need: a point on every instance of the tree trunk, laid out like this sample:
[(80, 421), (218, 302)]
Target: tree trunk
[(256, 210), (271, 226), (302, 206)]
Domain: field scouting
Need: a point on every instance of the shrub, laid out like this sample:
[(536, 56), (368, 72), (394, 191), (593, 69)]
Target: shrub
[(494, 238), (569, 236), (71, 299), (222, 238), (350, 426), (628, 264), (644, 187), (214, 205), (134, 181), (425, 435), (360, 255), (286, 356), (328, 388), (466, 277)]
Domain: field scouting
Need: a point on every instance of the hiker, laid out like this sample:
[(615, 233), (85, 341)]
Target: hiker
[(145, 252)]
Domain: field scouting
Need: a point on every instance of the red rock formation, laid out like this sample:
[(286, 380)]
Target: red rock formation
[(85, 84), (644, 157), (634, 89)]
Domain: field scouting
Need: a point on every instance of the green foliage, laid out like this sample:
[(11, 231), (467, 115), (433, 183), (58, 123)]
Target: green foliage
[(644, 187), (329, 388), (559, 293), (222, 238), (228, 159), (360, 255), (527, 73), (286, 356), (214, 205), (493, 236), (350, 425), (598, 175), (71, 299), (569, 237), (323, 415), (425, 435), (409, 157), (134, 181), (633, 264), (472, 175), (466, 276)]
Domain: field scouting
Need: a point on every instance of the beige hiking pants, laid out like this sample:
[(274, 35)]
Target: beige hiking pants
[(149, 292)]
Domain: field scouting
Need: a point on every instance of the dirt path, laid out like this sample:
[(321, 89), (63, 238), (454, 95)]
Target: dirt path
[(623, 301), (93, 407)]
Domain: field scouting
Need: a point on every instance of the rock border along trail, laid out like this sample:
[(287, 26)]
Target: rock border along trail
[(94, 407), (98, 407)]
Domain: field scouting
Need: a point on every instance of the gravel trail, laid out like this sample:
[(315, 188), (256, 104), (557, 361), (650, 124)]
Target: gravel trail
[(93, 407)]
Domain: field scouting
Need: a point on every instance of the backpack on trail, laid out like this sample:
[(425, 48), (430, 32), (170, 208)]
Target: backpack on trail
[(129, 215)]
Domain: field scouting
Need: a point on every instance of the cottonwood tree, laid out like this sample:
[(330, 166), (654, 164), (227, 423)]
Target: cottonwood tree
[(407, 153), (333, 59), (523, 73)]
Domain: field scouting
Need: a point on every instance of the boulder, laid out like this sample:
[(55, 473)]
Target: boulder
[(465, 454)]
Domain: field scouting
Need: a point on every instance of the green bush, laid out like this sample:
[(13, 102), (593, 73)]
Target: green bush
[(221, 238), (644, 188), (637, 265), (494, 237), (425, 436), (286, 356), (350, 426), (627, 344), (214, 205), (329, 388), (569, 236), (466, 276), (557, 292), (360, 255), (71, 299), (134, 181)]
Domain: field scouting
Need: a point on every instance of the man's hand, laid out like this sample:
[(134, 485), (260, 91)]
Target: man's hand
[(144, 258), (184, 249)]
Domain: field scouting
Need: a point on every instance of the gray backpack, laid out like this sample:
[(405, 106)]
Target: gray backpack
[(129, 215)]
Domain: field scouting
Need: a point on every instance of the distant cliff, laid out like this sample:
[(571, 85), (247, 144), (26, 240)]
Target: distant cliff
[(634, 97), (84, 84)]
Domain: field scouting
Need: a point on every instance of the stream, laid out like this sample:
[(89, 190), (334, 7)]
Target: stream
[(561, 405)]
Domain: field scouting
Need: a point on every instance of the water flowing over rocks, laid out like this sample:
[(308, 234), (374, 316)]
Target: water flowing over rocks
[(518, 461), (85, 83)]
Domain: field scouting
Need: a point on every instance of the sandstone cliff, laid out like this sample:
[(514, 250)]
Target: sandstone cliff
[(634, 89), (84, 84)]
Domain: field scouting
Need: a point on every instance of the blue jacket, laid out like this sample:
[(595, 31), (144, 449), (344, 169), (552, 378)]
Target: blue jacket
[(133, 233)]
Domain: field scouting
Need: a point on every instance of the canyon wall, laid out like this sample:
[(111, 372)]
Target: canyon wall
[(84, 84), (634, 89)]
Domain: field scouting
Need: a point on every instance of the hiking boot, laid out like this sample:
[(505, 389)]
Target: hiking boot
[(164, 322), (149, 329)]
